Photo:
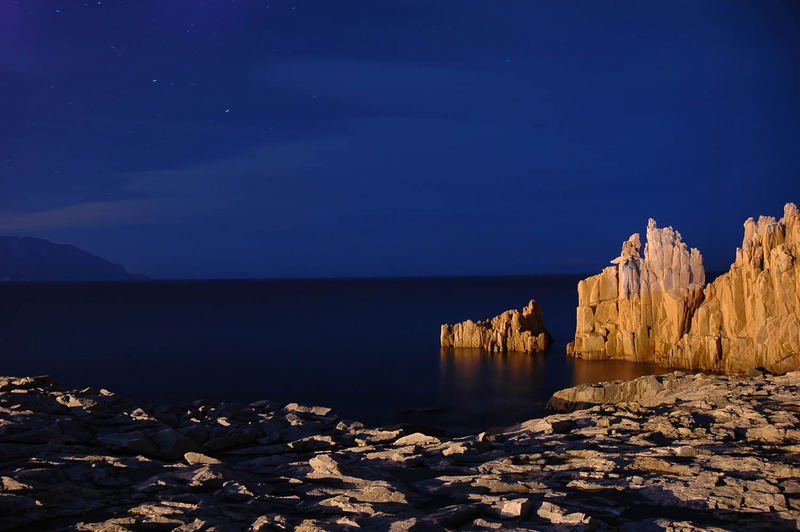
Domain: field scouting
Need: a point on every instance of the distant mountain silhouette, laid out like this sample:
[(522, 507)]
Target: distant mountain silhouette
[(34, 259)]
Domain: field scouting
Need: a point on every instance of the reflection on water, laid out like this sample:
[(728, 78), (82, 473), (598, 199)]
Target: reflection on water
[(468, 373), (590, 371), (481, 389)]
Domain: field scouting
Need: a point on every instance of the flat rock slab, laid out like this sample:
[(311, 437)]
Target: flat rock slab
[(677, 452)]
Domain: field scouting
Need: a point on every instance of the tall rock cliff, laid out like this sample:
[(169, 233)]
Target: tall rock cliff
[(662, 312), (640, 307), (751, 315), (510, 331)]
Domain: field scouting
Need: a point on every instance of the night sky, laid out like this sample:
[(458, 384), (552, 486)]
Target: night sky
[(244, 138)]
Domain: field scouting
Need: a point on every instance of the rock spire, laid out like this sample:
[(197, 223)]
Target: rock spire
[(658, 307)]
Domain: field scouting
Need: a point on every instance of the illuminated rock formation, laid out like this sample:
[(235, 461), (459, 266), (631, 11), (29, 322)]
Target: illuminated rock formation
[(747, 318), (639, 308), (751, 315), (510, 331)]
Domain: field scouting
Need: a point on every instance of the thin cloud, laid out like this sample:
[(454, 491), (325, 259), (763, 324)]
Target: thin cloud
[(90, 214)]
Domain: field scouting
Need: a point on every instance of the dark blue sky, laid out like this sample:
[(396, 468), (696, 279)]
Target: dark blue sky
[(245, 138)]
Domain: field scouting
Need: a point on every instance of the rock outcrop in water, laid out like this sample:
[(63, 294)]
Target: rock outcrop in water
[(510, 331), (656, 308), (639, 308), (700, 453)]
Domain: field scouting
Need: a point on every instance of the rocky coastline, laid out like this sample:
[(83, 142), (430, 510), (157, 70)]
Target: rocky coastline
[(674, 452)]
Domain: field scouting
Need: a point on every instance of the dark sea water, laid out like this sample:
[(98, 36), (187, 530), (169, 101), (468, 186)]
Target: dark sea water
[(368, 348)]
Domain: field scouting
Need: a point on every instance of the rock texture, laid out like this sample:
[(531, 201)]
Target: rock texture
[(703, 452), (750, 316), (641, 389), (656, 307), (510, 331), (639, 308)]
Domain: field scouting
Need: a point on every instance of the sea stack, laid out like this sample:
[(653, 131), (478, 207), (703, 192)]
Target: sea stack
[(510, 331), (640, 307), (657, 307)]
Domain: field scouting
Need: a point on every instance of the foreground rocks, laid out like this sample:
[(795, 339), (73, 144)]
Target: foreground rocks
[(702, 452), (656, 306), (510, 331)]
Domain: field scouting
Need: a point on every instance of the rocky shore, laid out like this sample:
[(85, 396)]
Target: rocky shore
[(675, 452)]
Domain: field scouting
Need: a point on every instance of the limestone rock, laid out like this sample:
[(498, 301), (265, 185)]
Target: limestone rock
[(510, 331)]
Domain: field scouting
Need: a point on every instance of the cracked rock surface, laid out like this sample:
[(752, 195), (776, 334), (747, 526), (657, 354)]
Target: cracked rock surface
[(703, 452)]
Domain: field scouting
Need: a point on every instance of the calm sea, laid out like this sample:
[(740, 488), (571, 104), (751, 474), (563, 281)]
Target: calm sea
[(369, 348)]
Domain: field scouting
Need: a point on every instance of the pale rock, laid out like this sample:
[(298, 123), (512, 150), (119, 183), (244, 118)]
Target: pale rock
[(639, 308), (324, 466), (585, 395), (312, 443), (199, 458), (348, 505), (377, 493), (417, 439), (194, 526), (207, 477), (515, 508), (664, 312), (269, 522), (750, 316), (314, 410), (558, 515), (510, 331), (10, 484)]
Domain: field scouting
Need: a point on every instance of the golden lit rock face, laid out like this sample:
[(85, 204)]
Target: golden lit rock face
[(510, 331), (640, 307), (748, 317), (751, 315)]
